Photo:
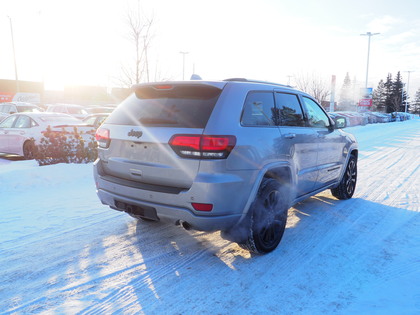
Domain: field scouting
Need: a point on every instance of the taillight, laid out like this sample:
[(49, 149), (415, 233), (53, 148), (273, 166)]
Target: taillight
[(102, 137), (202, 147)]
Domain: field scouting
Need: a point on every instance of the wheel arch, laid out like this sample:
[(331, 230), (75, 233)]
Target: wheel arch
[(355, 152), (281, 172)]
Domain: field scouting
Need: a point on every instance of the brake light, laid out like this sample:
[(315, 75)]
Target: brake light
[(164, 87), (202, 147), (102, 136)]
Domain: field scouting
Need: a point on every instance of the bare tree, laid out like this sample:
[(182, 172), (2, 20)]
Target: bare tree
[(139, 34), (314, 85)]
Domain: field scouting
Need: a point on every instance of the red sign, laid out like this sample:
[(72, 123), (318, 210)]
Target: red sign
[(6, 97), (365, 102)]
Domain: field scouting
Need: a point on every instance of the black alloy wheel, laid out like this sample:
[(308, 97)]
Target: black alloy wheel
[(347, 186), (268, 218)]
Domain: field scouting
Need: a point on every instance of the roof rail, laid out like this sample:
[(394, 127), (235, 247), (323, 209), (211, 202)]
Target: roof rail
[(256, 81)]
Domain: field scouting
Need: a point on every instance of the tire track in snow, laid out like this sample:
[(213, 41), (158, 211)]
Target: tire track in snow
[(125, 295)]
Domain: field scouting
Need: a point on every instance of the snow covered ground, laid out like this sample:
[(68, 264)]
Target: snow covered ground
[(62, 252)]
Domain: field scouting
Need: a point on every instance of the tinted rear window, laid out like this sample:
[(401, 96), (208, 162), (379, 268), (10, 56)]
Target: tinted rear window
[(175, 106)]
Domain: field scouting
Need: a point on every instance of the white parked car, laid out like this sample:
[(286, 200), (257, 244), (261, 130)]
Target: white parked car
[(74, 110), (19, 133), (7, 109)]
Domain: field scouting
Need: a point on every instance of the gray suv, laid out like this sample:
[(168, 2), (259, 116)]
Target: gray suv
[(230, 155)]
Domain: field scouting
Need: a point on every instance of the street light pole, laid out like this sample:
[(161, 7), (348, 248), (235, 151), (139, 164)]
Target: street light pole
[(14, 55), (145, 57), (408, 86), (183, 62), (369, 34)]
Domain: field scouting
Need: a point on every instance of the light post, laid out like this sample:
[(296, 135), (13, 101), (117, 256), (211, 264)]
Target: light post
[(14, 55), (183, 62), (408, 86), (145, 57), (369, 34)]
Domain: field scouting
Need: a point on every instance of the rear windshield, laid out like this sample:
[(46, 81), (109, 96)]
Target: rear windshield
[(77, 111), (173, 106)]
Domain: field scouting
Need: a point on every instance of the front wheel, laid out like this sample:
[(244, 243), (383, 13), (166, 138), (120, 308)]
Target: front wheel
[(347, 186), (268, 218), (29, 150)]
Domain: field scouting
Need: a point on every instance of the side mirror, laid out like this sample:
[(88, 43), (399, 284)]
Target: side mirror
[(340, 123)]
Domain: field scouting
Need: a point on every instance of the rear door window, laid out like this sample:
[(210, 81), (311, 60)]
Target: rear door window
[(23, 122), (180, 106), (289, 109), (259, 110)]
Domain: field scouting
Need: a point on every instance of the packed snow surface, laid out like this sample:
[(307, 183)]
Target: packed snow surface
[(62, 252)]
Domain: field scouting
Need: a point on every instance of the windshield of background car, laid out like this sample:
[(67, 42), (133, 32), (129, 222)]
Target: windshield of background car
[(29, 109), (181, 106), (8, 122), (60, 119), (77, 111)]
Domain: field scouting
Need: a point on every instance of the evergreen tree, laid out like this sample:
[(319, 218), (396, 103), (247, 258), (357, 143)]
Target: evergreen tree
[(388, 94), (398, 97), (379, 97), (416, 103), (391, 94), (346, 95)]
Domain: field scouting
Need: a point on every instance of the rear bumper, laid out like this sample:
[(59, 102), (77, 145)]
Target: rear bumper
[(172, 214), (224, 191)]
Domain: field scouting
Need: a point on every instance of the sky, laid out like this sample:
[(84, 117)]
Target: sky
[(86, 41)]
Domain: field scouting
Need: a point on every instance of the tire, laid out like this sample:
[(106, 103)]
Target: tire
[(268, 216), (347, 186), (29, 150)]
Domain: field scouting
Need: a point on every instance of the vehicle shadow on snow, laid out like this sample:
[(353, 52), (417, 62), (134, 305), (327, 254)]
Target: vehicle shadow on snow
[(323, 218), (169, 255), (173, 259)]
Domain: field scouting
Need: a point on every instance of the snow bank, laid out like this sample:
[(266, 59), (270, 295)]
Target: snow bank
[(63, 252)]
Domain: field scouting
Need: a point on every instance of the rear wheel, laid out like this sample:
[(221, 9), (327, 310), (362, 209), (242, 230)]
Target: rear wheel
[(29, 150), (347, 186), (268, 218)]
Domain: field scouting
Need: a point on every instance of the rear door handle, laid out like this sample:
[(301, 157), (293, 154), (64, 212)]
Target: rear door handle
[(290, 135)]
